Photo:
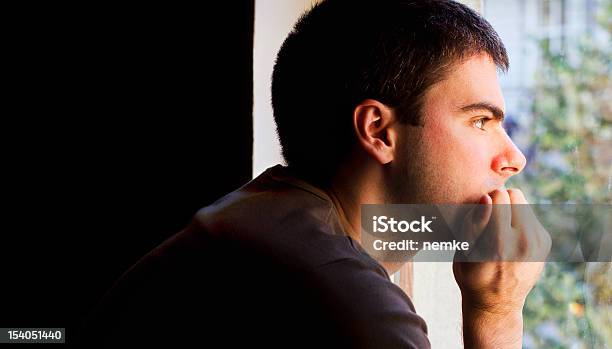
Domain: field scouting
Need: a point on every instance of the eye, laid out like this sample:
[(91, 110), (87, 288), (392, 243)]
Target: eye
[(480, 123)]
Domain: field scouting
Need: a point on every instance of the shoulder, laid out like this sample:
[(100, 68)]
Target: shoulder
[(376, 310), (267, 251)]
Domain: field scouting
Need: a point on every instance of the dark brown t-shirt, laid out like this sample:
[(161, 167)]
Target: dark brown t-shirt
[(267, 265)]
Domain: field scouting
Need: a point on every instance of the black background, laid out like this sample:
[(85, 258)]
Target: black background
[(120, 124)]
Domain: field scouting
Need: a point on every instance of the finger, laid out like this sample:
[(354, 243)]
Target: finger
[(500, 197), (501, 214), (516, 196), (500, 240), (482, 212), (523, 218), (485, 210), (518, 205), (479, 218)]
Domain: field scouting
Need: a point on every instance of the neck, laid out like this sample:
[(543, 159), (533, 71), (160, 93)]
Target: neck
[(348, 192), (347, 206)]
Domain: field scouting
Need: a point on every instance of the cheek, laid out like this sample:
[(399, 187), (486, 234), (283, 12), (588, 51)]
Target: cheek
[(459, 150), (438, 137)]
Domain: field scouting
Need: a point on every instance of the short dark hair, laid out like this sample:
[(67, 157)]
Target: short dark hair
[(342, 52)]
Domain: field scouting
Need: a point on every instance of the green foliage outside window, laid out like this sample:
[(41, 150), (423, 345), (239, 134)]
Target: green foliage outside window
[(570, 161)]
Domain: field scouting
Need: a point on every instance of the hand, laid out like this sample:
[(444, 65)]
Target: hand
[(493, 292)]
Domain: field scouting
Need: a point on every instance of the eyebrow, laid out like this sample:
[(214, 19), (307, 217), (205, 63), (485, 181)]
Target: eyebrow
[(493, 109)]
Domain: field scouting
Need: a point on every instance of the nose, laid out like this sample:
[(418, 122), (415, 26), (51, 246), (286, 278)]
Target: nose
[(510, 160)]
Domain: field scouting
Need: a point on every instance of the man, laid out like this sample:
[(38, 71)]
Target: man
[(375, 102)]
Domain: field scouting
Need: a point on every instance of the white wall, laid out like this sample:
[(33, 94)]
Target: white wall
[(273, 21), (437, 299)]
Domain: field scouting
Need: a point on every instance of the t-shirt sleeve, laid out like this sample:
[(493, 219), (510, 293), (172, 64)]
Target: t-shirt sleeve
[(372, 309)]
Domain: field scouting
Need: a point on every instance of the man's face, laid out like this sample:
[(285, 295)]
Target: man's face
[(462, 151)]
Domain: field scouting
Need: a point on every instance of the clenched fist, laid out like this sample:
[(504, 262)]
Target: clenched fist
[(494, 291)]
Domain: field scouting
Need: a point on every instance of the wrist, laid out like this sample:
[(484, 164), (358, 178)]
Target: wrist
[(491, 305), (492, 327)]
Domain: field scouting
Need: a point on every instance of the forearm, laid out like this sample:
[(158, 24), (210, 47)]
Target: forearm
[(484, 329)]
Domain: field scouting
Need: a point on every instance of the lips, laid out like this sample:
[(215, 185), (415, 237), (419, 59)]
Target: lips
[(503, 187), (489, 191), (494, 185)]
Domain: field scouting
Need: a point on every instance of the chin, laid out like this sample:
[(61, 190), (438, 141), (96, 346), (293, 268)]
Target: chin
[(472, 199)]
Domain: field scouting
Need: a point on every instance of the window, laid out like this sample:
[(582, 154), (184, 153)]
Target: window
[(559, 71), (558, 93)]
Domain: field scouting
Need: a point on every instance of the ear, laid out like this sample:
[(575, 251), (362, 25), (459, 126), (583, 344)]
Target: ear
[(372, 121)]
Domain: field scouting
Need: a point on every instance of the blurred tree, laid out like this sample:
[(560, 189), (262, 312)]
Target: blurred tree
[(570, 161)]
